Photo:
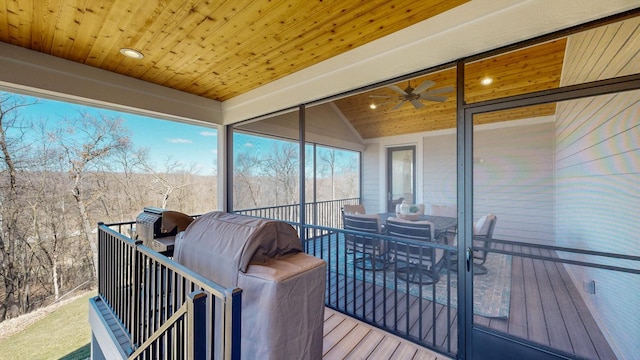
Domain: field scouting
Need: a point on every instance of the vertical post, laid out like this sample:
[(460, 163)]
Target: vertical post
[(228, 166), (464, 157), (301, 166), (236, 321), (197, 325), (100, 259), (232, 323), (315, 184)]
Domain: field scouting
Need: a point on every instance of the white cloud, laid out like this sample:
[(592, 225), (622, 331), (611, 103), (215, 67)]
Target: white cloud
[(180, 141), (249, 145), (208, 133)]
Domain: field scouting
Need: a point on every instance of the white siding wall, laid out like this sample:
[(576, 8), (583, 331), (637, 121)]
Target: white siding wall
[(439, 159), (598, 177), (513, 178), (598, 204), (371, 181)]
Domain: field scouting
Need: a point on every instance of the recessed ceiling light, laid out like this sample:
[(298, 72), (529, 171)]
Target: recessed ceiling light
[(373, 106), (134, 54), (486, 81)]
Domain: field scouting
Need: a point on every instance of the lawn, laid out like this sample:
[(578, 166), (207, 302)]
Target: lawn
[(62, 334)]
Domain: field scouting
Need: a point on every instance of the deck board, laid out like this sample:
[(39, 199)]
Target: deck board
[(558, 336), (353, 339), (545, 308)]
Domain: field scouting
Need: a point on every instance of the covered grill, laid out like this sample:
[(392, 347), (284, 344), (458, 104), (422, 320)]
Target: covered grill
[(283, 288), (157, 228)]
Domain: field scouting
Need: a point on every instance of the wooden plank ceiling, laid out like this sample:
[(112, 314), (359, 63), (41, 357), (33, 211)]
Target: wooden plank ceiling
[(212, 48), (527, 70), (219, 49)]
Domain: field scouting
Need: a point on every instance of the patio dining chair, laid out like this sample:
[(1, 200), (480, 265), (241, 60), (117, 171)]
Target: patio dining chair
[(448, 210), (482, 235), (415, 263), (372, 250)]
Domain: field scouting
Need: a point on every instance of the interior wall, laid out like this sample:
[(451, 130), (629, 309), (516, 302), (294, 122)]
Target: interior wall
[(371, 181), (513, 179), (440, 170), (518, 188)]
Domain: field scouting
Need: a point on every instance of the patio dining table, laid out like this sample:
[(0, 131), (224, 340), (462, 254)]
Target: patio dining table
[(441, 224)]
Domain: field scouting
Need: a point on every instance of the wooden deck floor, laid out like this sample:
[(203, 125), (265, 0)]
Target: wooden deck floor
[(545, 308), (347, 338)]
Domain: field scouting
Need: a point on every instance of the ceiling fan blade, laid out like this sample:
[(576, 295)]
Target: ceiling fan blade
[(398, 105), (417, 104), (424, 86), (443, 90), (397, 89), (383, 96), (433, 98)]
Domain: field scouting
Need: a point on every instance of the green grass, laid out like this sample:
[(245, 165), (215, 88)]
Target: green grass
[(62, 334)]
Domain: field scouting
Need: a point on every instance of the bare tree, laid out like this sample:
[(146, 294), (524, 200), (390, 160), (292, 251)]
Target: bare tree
[(282, 167), (12, 236), (246, 184), (88, 142), (130, 162), (328, 161), (163, 183)]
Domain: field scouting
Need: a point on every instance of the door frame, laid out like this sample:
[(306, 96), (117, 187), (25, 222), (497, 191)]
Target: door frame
[(390, 150), (482, 343)]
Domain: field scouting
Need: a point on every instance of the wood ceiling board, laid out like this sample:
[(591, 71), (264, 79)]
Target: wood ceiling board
[(532, 69), (340, 30), (17, 11), (527, 70), (385, 121), (213, 48)]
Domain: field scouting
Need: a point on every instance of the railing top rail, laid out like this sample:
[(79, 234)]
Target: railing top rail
[(298, 204), (378, 236), (215, 289), (629, 270), (569, 250)]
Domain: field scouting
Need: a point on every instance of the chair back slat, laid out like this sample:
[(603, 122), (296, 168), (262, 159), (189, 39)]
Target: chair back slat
[(421, 262), (418, 231), (413, 231), (367, 224), (366, 244)]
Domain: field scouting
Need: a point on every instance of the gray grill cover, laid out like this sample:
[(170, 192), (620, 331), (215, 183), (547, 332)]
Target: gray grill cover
[(218, 245), (282, 287)]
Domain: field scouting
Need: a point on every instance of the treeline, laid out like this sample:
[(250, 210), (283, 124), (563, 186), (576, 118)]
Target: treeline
[(271, 178), (56, 182)]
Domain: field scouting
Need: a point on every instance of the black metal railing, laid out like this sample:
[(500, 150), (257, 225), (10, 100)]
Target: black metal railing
[(423, 313), (168, 311), (321, 213), (415, 310)]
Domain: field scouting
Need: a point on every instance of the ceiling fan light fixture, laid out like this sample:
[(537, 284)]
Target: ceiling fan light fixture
[(486, 81), (131, 53)]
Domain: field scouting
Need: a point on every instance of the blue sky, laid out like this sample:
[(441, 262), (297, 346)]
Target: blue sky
[(185, 143), (188, 144)]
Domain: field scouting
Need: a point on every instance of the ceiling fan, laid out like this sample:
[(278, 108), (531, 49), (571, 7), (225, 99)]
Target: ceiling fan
[(415, 96)]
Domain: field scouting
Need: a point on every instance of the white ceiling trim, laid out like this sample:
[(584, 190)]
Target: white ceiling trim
[(32, 73)]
